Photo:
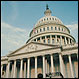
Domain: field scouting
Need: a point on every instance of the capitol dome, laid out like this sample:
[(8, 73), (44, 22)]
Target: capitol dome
[(48, 19), (51, 30)]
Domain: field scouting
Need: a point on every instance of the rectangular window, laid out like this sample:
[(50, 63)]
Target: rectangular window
[(59, 28), (37, 31), (51, 28), (34, 32), (62, 29), (55, 28), (44, 41), (43, 29), (40, 30), (52, 41), (47, 28), (48, 40)]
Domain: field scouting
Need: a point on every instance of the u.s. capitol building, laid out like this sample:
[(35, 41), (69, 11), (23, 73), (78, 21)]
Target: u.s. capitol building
[(50, 51)]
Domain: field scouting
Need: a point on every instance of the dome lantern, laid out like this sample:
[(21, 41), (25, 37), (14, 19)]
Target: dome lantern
[(48, 11)]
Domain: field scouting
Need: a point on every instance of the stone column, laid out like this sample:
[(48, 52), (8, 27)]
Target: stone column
[(71, 68), (8, 71), (69, 40), (61, 64), (55, 39), (52, 66), (43, 66), (60, 40), (41, 39), (50, 39), (11, 74), (46, 39), (14, 74), (28, 68), (1, 69), (21, 68), (12, 70), (24, 69), (35, 67), (46, 65), (65, 40)]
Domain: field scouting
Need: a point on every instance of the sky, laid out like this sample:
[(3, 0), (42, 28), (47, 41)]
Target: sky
[(19, 17)]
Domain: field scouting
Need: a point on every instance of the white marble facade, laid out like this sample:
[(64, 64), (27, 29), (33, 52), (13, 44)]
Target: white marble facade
[(49, 49)]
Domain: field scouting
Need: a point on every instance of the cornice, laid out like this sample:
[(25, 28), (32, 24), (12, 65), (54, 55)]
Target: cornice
[(35, 51), (28, 44)]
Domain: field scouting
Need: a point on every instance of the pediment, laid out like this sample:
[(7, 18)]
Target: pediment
[(30, 47)]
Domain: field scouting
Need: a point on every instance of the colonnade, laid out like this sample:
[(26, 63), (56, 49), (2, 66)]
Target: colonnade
[(57, 39), (45, 69)]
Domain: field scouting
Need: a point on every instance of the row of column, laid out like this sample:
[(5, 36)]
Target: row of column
[(44, 66), (55, 40)]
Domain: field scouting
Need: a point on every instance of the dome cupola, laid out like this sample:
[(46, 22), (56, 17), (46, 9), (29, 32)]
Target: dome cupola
[(48, 18), (48, 11)]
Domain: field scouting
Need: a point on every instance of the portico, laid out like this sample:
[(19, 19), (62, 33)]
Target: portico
[(30, 67)]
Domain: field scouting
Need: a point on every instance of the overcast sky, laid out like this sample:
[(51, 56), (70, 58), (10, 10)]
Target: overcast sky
[(19, 17)]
